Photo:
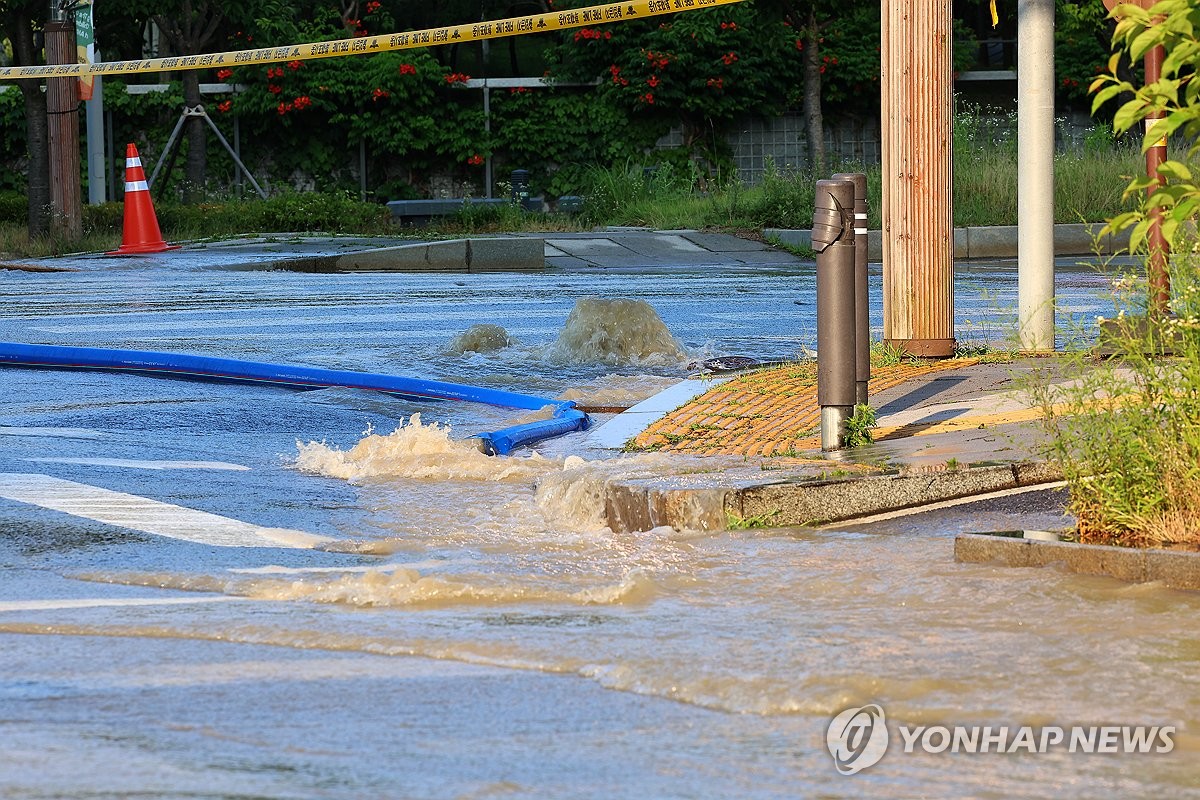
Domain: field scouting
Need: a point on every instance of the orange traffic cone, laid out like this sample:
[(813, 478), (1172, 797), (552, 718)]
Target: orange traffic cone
[(141, 234)]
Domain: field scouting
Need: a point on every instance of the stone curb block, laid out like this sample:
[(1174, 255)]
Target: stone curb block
[(834, 501), (631, 506), (642, 505), (492, 254), (1175, 568), (995, 241)]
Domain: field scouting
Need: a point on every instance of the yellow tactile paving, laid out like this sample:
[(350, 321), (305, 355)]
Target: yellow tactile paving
[(772, 412)]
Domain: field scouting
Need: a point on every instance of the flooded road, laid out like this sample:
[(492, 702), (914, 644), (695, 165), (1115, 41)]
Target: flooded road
[(473, 629)]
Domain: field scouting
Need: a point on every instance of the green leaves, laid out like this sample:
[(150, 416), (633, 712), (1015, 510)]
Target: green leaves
[(1168, 107)]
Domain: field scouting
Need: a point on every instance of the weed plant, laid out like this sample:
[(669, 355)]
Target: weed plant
[(1126, 430), (859, 425)]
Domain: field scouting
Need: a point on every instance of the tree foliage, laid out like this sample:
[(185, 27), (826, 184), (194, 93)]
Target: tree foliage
[(1175, 96), (703, 72)]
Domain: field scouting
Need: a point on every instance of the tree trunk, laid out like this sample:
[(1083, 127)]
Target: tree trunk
[(189, 32), (196, 168), (36, 135), (813, 117)]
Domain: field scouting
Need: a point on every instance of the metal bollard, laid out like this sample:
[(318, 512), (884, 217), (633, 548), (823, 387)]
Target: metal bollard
[(862, 295), (833, 239)]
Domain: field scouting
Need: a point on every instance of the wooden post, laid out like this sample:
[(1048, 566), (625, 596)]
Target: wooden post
[(1160, 250), (1160, 253), (918, 227), (62, 111)]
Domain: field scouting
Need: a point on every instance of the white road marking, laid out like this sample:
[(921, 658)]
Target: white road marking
[(960, 501), (146, 515), (107, 602), (136, 464)]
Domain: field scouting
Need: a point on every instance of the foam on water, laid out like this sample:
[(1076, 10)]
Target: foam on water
[(484, 338), (397, 587), (414, 450)]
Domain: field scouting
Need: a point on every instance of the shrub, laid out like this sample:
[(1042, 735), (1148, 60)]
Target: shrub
[(1126, 432)]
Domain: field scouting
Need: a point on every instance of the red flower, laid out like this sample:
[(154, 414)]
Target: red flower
[(274, 73), (653, 82), (456, 77), (373, 6), (659, 60), (224, 74), (729, 26), (614, 70), (302, 102), (379, 93), (273, 89), (284, 108), (729, 58), (294, 65), (647, 98), (408, 69), (360, 33), (716, 83), (224, 106), (475, 160)]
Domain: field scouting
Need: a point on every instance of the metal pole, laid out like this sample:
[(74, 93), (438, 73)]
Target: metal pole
[(833, 239), (94, 111), (1035, 174), (237, 151), (918, 252), (108, 149), (199, 111), (362, 170), (1156, 266), (487, 128), (862, 294)]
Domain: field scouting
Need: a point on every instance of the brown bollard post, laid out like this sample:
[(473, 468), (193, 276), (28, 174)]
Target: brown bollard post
[(833, 240), (862, 294)]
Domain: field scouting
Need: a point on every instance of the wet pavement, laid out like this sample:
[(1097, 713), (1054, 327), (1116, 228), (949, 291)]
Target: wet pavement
[(474, 628)]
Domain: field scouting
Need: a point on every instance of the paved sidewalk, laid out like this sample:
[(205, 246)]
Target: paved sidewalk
[(767, 412), (947, 430)]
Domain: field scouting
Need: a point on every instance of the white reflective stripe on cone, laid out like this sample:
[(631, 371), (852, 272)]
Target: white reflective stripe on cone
[(133, 162), (136, 186)]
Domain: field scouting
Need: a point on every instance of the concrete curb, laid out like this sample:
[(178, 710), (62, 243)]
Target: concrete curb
[(996, 241), (640, 505), (1175, 568), (486, 254)]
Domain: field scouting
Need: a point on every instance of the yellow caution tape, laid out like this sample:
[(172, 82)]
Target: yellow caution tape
[(454, 34)]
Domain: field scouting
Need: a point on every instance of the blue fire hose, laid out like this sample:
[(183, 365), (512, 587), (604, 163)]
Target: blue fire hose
[(566, 418)]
